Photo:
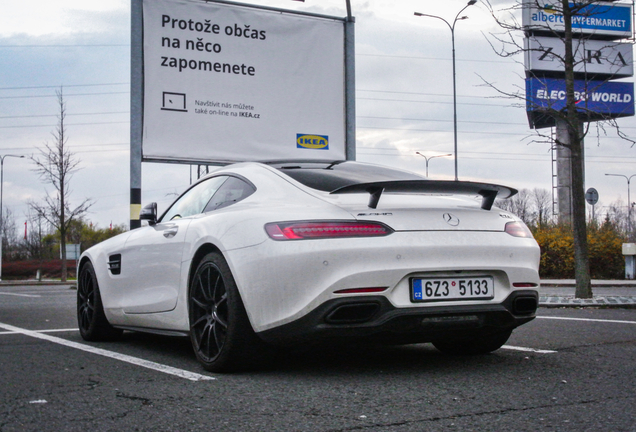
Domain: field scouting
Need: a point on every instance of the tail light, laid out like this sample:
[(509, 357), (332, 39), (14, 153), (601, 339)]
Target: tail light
[(518, 229), (325, 229)]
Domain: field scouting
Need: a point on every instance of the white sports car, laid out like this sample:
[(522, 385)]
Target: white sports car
[(286, 253)]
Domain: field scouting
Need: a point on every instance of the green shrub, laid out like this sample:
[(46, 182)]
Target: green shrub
[(557, 251)]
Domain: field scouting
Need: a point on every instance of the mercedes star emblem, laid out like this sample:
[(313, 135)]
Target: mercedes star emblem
[(450, 219)]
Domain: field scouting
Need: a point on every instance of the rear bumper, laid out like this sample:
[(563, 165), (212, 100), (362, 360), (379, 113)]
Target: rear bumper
[(281, 282), (375, 319)]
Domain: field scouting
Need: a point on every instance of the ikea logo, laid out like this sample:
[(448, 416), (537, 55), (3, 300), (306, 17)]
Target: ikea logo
[(317, 142)]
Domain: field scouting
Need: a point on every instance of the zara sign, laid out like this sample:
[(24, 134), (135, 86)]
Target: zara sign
[(592, 57)]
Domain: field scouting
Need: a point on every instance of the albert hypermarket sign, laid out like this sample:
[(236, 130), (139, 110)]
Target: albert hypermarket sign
[(601, 19)]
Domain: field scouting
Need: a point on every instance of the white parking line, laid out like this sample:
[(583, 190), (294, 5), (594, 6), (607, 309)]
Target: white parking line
[(515, 348), (588, 319), (43, 331), (110, 354), (20, 295)]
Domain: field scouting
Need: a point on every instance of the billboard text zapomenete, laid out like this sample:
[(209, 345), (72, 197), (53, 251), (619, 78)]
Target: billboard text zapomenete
[(227, 82)]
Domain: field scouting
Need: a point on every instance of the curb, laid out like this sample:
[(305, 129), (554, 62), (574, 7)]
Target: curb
[(601, 302), (567, 283)]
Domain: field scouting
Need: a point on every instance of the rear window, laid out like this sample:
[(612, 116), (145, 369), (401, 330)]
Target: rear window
[(329, 177)]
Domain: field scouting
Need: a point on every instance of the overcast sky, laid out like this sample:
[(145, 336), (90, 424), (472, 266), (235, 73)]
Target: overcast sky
[(404, 101)]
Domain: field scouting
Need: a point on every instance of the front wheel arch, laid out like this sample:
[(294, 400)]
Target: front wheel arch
[(203, 250)]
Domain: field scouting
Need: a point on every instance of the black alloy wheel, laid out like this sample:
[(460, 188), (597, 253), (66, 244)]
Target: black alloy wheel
[(92, 322), (221, 334), (209, 312)]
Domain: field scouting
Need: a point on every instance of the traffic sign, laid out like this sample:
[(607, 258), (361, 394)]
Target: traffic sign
[(591, 196)]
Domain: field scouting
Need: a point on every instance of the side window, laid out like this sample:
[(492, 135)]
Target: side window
[(232, 191), (195, 199)]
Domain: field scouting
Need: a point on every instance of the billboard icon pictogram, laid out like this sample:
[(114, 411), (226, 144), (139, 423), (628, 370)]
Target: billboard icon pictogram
[(174, 102)]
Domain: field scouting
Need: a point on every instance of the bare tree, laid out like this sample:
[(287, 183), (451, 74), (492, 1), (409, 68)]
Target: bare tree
[(568, 114), (520, 205), (505, 204), (56, 165), (34, 241), (8, 234), (542, 200), (532, 206), (575, 145), (618, 215)]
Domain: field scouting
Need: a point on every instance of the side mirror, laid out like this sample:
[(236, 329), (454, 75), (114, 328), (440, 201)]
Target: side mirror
[(149, 213)]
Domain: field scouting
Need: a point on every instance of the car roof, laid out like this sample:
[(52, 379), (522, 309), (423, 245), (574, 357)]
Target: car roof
[(330, 176)]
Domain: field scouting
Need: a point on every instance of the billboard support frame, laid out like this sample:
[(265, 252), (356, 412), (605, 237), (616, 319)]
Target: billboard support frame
[(350, 87), (136, 108)]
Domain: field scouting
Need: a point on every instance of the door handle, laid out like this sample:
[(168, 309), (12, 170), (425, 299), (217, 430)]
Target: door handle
[(170, 232)]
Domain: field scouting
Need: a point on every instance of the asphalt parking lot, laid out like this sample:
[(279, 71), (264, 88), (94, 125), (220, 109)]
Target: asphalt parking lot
[(571, 368)]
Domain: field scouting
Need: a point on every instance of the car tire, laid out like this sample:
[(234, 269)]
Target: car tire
[(92, 322), (221, 334), (476, 344)]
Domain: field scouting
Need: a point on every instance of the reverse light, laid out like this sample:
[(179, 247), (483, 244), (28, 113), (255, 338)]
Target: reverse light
[(325, 229), (518, 229)]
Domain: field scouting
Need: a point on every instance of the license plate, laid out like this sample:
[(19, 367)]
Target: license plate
[(451, 288)]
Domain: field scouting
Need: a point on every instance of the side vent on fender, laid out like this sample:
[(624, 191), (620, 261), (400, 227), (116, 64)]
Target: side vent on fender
[(114, 264)]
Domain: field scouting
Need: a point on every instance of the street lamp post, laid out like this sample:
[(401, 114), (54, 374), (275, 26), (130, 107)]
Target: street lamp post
[(452, 29), (431, 157), (629, 201), (1, 208)]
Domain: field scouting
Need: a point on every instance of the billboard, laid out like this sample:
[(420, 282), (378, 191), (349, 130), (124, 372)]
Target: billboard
[(603, 19), (596, 100), (225, 82), (544, 55)]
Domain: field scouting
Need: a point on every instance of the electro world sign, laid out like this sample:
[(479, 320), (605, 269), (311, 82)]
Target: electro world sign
[(600, 19), (595, 99)]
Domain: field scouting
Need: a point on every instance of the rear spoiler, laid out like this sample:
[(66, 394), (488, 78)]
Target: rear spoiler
[(487, 191)]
